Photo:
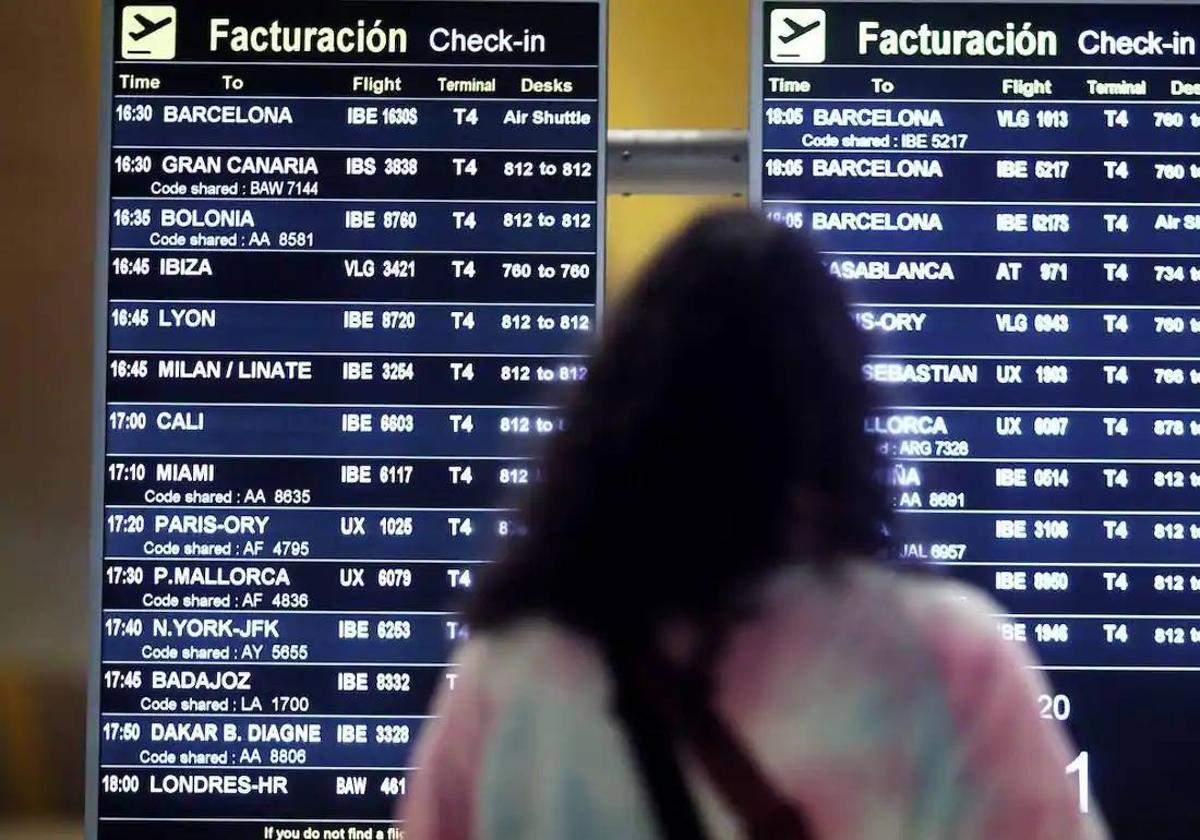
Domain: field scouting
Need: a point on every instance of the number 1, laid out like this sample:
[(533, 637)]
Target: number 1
[(1080, 766)]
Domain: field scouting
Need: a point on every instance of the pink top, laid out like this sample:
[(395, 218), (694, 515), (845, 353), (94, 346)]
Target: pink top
[(886, 705)]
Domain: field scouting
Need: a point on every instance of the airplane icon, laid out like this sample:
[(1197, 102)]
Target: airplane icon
[(797, 36), (148, 32), (149, 27), (797, 30)]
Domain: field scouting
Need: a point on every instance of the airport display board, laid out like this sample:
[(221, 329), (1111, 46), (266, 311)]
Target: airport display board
[(349, 257), (1012, 192)]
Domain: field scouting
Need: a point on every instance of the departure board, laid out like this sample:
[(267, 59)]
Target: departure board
[(349, 263), (1012, 193)]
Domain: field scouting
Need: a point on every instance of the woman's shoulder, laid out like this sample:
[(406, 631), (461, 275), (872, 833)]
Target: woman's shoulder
[(951, 625), (934, 598), (918, 594), (921, 593), (888, 616)]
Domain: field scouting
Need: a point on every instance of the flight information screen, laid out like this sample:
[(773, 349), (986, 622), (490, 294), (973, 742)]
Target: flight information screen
[(1012, 192), (349, 262)]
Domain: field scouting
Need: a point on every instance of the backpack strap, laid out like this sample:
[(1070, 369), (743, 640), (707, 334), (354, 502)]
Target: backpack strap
[(674, 806), (656, 696)]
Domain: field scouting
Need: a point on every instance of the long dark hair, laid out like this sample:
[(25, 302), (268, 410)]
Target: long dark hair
[(719, 436)]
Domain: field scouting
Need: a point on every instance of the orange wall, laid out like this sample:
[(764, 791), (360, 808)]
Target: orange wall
[(49, 68), (672, 64)]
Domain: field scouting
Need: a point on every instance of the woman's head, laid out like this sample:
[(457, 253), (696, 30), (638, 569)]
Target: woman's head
[(719, 436)]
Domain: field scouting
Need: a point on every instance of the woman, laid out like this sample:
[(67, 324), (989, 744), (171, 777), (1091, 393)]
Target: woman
[(696, 637)]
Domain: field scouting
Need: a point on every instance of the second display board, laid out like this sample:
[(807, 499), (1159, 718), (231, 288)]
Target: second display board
[(1010, 192)]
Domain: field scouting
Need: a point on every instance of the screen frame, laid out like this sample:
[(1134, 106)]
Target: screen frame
[(99, 402), (99, 425)]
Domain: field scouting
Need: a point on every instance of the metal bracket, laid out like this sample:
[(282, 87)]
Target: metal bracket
[(678, 162)]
